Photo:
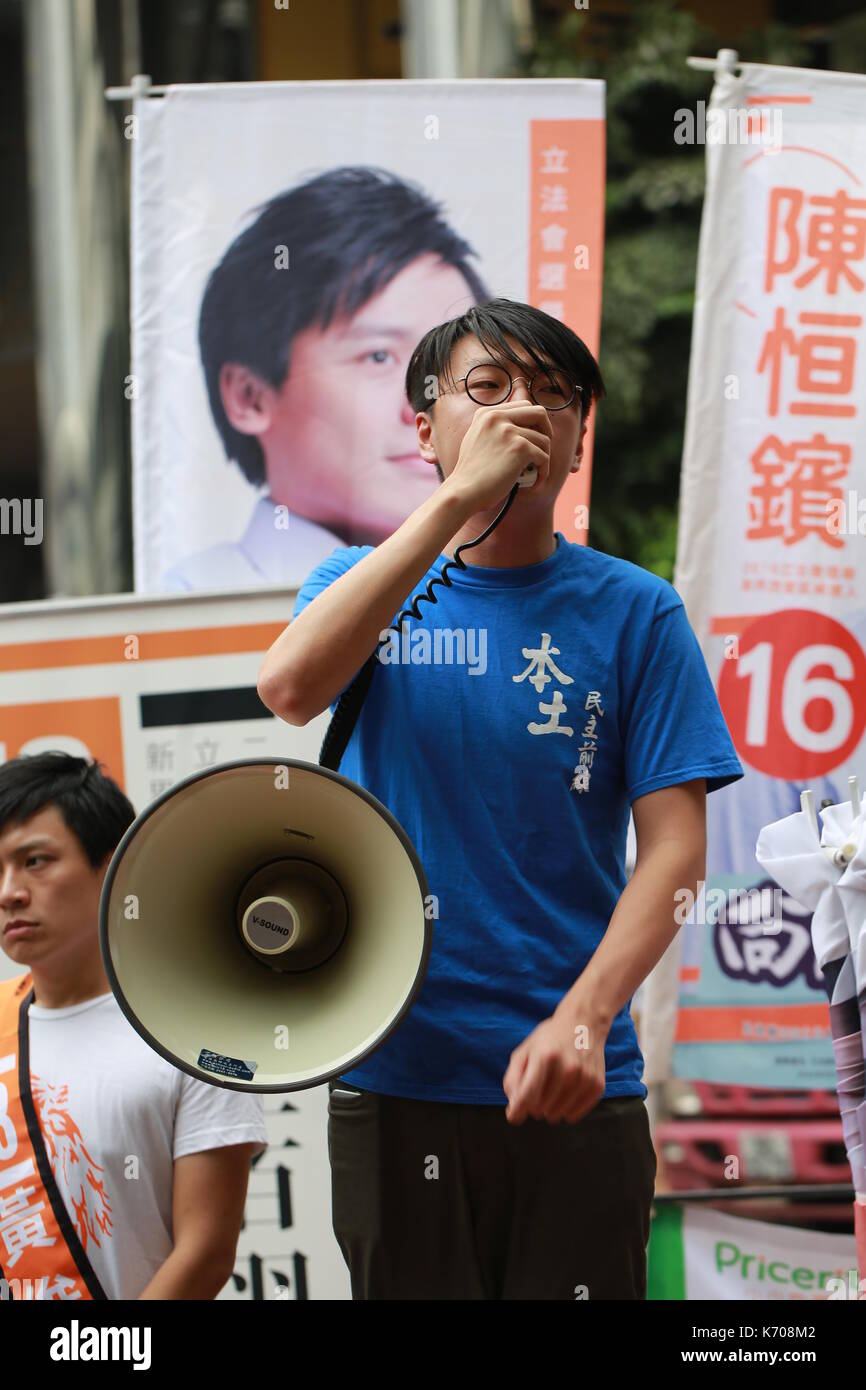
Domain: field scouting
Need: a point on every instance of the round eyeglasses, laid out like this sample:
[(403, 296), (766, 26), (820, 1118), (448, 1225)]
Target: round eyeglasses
[(490, 384)]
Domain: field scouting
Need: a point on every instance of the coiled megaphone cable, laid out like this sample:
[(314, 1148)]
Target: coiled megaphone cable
[(349, 704)]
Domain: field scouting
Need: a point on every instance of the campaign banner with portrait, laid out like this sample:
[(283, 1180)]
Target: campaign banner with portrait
[(292, 242), (157, 689), (771, 560)]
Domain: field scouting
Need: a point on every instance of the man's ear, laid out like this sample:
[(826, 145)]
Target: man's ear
[(580, 443), (579, 454), (424, 427), (247, 400)]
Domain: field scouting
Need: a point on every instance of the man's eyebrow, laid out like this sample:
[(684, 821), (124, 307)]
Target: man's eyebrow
[(40, 843), (529, 367), (375, 330)]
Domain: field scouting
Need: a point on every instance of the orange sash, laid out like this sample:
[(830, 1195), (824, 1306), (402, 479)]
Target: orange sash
[(41, 1255)]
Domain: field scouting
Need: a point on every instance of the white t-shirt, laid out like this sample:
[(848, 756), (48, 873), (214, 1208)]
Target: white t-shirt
[(114, 1116)]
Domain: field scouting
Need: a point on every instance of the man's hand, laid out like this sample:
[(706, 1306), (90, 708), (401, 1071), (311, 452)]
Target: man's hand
[(557, 1072), (500, 443)]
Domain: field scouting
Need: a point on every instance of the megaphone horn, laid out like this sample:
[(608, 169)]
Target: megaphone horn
[(262, 925)]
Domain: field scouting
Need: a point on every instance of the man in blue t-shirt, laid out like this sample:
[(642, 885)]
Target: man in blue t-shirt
[(510, 729)]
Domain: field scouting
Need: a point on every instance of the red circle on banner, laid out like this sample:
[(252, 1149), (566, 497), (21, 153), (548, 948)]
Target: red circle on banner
[(794, 695)]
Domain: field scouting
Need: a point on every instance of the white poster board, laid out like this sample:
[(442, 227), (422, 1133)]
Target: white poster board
[(260, 213), (186, 701)]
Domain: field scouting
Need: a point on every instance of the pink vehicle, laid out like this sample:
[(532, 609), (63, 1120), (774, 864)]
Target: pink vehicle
[(716, 1099)]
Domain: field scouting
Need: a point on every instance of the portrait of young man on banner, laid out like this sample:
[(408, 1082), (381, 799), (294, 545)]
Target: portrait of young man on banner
[(305, 332), (286, 257)]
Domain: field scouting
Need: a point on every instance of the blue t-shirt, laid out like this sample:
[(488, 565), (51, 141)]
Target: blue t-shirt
[(575, 685)]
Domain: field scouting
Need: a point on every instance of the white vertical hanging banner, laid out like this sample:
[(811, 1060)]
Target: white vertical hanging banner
[(771, 560)]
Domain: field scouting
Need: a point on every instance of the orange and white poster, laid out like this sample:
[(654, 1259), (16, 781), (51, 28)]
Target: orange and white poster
[(771, 560), (157, 690), (292, 242)]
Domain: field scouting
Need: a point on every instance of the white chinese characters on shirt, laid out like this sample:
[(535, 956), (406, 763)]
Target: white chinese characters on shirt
[(541, 670), (580, 782)]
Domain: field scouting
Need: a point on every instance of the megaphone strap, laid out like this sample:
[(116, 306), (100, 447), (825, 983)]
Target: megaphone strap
[(345, 718)]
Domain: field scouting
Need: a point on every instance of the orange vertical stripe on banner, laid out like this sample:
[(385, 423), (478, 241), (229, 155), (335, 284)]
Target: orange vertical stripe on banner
[(566, 246)]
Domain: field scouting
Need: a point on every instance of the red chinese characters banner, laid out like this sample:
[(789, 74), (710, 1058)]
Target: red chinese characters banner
[(771, 560)]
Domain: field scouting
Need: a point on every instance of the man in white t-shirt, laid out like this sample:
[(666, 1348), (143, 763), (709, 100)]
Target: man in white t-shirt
[(133, 1183)]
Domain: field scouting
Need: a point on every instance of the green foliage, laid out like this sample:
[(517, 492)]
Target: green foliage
[(653, 209)]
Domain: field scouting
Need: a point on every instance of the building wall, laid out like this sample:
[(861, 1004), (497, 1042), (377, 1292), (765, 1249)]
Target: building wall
[(346, 39)]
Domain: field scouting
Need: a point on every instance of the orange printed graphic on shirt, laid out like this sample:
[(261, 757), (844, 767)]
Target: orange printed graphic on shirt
[(39, 1245), (71, 1162)]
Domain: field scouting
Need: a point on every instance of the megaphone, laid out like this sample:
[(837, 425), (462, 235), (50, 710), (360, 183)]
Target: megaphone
[(262, 925)]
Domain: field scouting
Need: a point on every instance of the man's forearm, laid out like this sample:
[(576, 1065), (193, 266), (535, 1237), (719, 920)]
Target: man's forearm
[(322, 649), (640, 930), (187, 1273)]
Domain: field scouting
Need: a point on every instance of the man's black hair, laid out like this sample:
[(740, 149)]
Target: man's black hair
[(348, 233), (91, 803), (546, 340)]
